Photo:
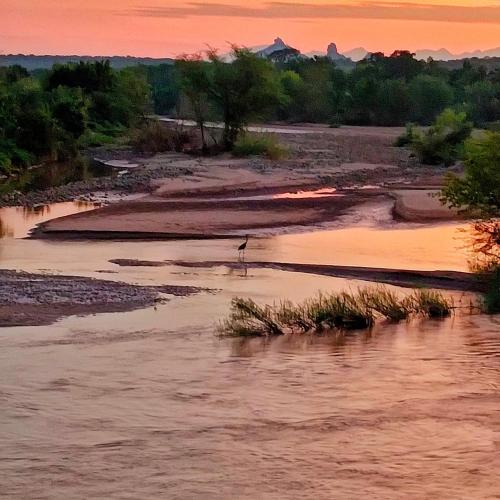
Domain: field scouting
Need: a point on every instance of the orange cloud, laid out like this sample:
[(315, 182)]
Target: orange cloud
[(361, 10), (170, 27)]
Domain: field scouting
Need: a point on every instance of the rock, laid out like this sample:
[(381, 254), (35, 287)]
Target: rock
[(333, 54)]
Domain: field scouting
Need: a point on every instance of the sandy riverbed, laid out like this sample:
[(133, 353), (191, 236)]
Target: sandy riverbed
[(203, 204)]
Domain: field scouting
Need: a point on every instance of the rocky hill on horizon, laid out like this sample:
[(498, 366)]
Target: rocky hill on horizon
[(278, 51)]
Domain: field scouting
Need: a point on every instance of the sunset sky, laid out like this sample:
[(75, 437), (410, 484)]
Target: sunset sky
[(162, 28)]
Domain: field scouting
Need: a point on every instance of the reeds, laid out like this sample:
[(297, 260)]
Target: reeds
[(343, 311), (249, 319), (429, 303), (385, 303)]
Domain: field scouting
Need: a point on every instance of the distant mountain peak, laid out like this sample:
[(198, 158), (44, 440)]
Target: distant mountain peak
[(356, 54), (333, 54), (277, 46)]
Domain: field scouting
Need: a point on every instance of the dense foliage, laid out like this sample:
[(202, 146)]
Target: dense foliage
[(49, 117), (49, 114), (478, 193), (479, 189), (443, 142), (237, 92), (380, 90)]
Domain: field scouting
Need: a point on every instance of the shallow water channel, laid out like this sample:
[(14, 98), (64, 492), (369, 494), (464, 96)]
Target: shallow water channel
[(151, 404)]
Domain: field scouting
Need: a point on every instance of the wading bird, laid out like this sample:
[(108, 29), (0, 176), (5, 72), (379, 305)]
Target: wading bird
[(242, 248)]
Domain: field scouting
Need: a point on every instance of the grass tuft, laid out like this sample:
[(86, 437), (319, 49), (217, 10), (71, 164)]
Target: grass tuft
[(429, 303), (343, 311), (385, 302), (249, 319)]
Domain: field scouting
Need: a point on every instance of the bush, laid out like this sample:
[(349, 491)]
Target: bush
[(407, 138), (443, 142), (12, 157), (479, 189), (259, 145), (154, 137)]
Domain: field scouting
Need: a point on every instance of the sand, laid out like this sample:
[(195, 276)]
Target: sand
[(197, 204), (199, 219), (422, 206)]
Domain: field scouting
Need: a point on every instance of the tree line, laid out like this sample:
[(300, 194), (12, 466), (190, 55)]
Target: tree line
[(50, 114), (381, 90)]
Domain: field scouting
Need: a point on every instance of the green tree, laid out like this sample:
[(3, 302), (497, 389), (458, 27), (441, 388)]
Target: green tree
[(429, 96), (196, 83), (69, 109), (478, 193), (165, 87), (243, 90), (479, 189), (482, 100), (393, 103), (131, 96)]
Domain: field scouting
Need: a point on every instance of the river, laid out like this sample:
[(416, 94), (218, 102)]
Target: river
[(151, 404)]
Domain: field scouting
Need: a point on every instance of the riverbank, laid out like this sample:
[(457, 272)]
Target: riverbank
[(319, 156), (28, 299)]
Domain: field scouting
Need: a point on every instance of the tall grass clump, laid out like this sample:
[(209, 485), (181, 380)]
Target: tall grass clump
[(248, 319), (259, 145), (487, 270), (294, 317), (338, 310), (385, 303), (346, 312), (429, 303)]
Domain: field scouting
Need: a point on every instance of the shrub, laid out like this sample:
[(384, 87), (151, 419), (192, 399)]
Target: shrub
[(443, 142), (12, 157), (407, 138), (259, 145), (479, 189)]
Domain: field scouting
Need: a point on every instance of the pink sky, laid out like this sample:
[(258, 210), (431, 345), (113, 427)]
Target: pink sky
[(162, 28)]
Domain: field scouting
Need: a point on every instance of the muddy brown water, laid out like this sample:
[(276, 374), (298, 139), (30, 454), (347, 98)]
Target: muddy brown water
[(151, 404)]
